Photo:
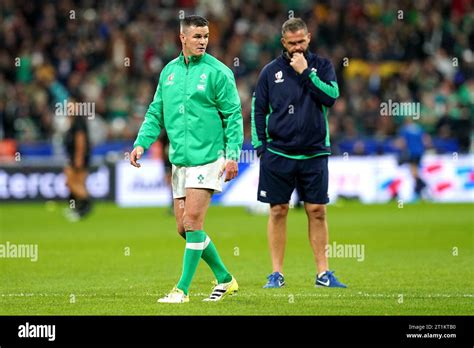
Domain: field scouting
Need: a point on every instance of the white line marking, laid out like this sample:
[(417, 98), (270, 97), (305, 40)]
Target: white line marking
[(243, 293)]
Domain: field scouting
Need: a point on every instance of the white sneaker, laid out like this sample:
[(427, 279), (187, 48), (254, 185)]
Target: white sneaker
[(222, 290), (175, 296), (71, 215)]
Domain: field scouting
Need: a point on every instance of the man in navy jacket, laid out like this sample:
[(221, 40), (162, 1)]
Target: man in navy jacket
[(291, 135)]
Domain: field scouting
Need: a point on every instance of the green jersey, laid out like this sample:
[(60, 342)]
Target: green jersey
[(199, 106)]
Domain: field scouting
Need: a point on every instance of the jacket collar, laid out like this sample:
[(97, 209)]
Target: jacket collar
[(191, 59)]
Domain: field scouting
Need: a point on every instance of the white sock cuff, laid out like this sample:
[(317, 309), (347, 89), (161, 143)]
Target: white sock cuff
[(199, 246), (321, 274)]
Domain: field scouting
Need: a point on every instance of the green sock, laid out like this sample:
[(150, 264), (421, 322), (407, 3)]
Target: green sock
[(212, 258), (192, 255)]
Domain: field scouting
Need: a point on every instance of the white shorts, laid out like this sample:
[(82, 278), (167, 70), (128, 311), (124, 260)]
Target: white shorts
[(205, 177)]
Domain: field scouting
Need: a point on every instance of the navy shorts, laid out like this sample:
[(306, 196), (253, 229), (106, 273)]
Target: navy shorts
[(279, 176)]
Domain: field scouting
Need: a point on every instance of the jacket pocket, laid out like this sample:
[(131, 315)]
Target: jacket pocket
[(282, 127)]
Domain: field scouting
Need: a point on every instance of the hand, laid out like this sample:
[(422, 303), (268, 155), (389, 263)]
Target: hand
[(231, 170), (298, 62), (136, 155)]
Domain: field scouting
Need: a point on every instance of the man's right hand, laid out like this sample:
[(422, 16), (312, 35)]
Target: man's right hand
[(135, 155)]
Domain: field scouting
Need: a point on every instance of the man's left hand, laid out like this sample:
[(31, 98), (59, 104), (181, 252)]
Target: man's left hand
[(298, 62), (231, 170)]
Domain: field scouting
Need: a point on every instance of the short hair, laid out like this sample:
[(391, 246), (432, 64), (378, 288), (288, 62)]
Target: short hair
[(293, 24), (193, 20)]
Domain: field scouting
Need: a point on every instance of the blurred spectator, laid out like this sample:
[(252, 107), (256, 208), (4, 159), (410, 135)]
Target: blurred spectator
[(413, 142), (111, 54)]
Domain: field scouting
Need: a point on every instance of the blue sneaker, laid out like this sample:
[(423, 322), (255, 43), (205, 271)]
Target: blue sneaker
[(275, 280), (329, 280)]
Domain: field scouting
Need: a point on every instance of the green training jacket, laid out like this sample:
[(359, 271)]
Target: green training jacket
[(198, 104)]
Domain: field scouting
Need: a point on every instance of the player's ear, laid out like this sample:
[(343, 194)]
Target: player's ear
[(309, 37)]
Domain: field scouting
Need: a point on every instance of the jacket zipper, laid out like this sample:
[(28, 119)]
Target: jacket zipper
[(185, 111), (299, 122)]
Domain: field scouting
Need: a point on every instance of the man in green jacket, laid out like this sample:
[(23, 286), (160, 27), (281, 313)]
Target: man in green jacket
[(198, 104)]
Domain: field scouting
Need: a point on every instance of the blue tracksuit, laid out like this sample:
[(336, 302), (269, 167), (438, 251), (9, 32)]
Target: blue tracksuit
[(289, 111)]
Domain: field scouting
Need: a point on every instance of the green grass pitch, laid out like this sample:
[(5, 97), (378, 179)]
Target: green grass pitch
[(418, 261)]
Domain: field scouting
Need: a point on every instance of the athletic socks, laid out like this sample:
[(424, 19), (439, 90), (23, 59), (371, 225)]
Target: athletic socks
[(212, 258), (81, 206), (72, 201), (192, 254), (198, 245), (419, 185), (84, 206)]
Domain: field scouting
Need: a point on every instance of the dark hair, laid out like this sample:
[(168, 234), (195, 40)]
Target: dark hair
[(293, 24), (194, 20)]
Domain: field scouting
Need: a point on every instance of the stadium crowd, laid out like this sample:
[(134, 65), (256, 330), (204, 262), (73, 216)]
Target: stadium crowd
[(110, 53)]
